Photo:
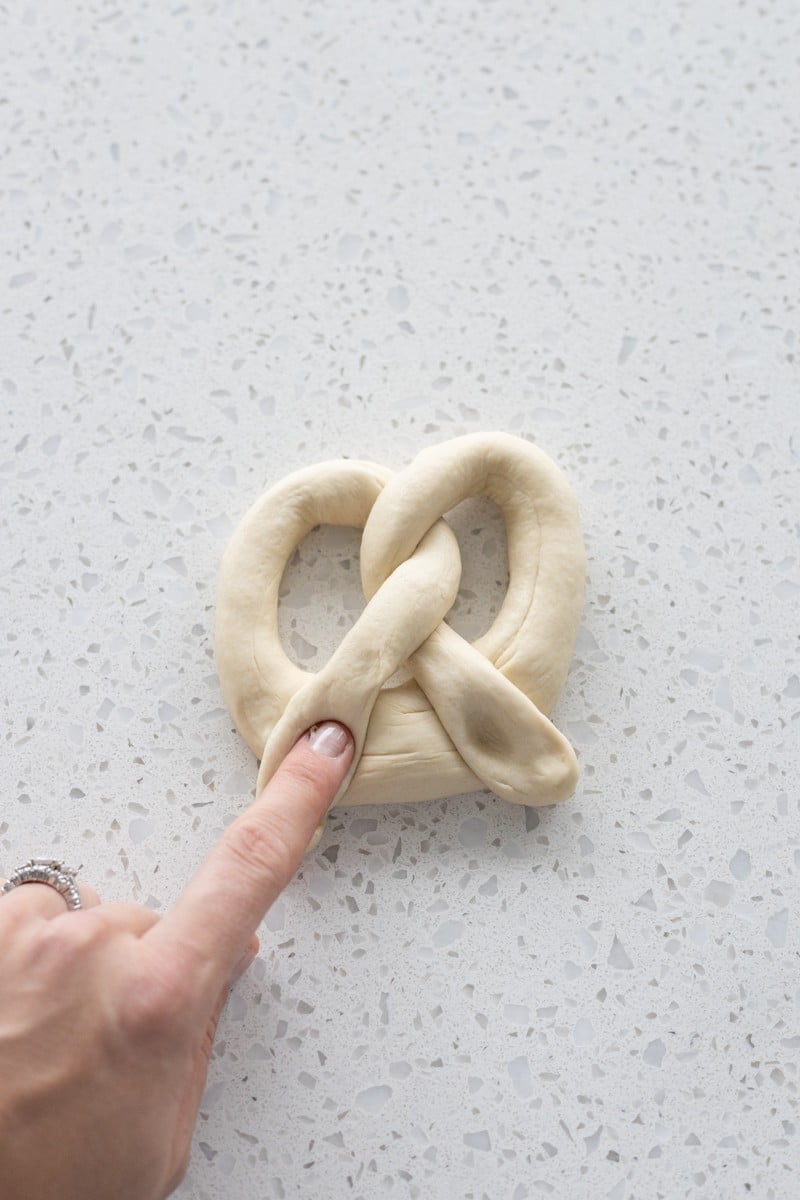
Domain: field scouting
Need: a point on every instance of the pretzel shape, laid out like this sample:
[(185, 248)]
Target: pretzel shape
[(473, 714)]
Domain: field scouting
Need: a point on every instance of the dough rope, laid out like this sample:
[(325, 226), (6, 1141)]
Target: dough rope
[(473, 714)]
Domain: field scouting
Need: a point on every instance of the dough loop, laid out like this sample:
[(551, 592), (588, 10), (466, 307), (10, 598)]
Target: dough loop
[(473, 714)]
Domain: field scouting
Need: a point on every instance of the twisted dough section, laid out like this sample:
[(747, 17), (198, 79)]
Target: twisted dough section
[(474, 714)]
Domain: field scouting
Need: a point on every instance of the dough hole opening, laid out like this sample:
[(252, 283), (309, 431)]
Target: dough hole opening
[(320, 596), (480, 528)]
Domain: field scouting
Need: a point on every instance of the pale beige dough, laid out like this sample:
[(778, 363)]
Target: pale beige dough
[(474, 714)]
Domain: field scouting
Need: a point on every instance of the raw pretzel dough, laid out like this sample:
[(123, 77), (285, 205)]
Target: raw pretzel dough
[(473, 715)]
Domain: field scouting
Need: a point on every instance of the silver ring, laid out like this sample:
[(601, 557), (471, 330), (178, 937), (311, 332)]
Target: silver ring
[(50, 872)]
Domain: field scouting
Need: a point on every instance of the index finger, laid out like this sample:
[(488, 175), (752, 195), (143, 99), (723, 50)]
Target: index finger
[(212, 922)]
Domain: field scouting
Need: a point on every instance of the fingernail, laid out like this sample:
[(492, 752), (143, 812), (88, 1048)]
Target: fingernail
[(246, 961), (329, 739)]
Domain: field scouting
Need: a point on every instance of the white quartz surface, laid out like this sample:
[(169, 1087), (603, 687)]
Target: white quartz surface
[(241, 237)]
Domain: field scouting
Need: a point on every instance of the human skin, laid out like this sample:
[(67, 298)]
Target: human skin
[(108, 1014)]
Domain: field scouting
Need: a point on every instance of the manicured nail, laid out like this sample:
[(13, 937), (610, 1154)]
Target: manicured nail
[(329, 739)]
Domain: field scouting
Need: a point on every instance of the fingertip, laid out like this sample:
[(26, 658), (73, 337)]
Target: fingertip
[(315, 766), (330, 739), (255, 858)]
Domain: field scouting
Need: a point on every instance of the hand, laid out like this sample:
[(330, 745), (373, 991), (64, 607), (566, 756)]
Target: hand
[(108, 1014)]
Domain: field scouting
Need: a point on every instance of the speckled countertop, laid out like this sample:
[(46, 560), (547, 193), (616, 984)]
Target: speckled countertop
[(241, 237)]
